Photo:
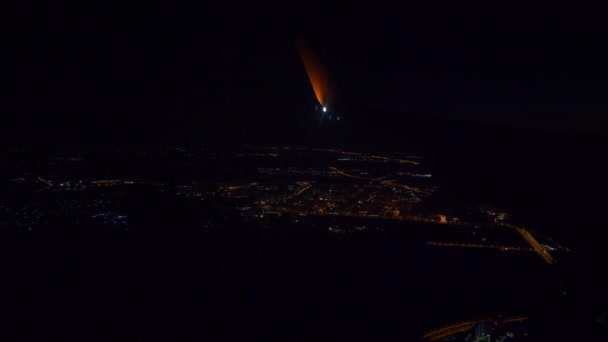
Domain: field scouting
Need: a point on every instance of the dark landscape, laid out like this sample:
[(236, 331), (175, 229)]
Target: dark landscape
[(370, 175)]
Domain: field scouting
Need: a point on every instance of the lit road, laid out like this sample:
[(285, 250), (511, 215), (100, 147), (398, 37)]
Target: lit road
[(303, 190), (402, 161), (383, 182), (462, 327), (475, 245), (537, 247), (342, 173), (44, 181), (392, 183), (48, 185)]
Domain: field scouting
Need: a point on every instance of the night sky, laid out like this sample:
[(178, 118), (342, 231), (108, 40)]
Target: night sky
[(140, 71)]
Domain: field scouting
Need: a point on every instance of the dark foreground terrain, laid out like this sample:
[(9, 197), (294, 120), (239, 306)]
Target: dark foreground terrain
[(165, 279), (245, 281), (263, 285)]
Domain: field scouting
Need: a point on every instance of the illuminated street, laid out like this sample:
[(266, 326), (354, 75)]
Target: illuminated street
[(461, 327)]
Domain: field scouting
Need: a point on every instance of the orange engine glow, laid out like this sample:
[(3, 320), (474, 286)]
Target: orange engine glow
[(316, 72)]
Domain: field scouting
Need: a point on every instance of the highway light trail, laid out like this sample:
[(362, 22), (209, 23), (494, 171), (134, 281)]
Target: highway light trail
[(398, 160), (304, 189), (44, 181), (48, 183), (537, 247), (477, 245), (462, 327), (389, 183)]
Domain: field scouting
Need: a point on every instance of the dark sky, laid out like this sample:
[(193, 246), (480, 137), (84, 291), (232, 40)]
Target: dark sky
[(138, 70)]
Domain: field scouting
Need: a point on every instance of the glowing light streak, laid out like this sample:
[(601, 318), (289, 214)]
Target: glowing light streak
[(316, 72), (461, 327)]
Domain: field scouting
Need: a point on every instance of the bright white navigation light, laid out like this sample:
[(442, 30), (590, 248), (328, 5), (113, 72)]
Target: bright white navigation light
[(325, 109)]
